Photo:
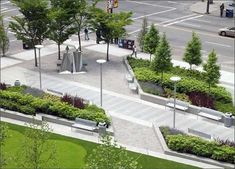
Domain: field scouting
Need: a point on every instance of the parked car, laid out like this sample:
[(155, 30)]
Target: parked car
[(227, 31)]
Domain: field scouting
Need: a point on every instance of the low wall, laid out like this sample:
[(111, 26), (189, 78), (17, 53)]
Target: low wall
[(187, 156), (21, 117)]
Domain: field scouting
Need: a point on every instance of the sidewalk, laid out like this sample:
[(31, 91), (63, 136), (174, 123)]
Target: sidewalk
[(214, 9)]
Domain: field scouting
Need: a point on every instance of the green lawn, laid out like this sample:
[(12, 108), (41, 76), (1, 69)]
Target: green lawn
[(72, 152)]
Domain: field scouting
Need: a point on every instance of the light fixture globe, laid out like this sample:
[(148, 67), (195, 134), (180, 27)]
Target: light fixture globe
[(100, 61)]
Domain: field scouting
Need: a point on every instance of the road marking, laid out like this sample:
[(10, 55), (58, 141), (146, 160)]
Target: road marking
[(201, 20), (218, 44), (182, 20), (192, 25), (9, 10), (153, 14), (144, 3), (177, 19), (172, 2)]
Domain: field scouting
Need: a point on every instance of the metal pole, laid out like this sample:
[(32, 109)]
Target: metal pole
[(40, 76), (0, 68), (174, 105), (101, 84)]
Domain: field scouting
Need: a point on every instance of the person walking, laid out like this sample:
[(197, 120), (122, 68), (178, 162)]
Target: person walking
[(86, 34), (134, 51), (221, 9)]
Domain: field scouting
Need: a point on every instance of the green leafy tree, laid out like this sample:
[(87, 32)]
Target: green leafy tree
[(32, 27), (112, 25), (162, 57), (142, 33), (81, 13), (37, 150), (151, 40), (212, 70), (192, 53), (4, 40), (60, 24), (109, 155), (3, 137)]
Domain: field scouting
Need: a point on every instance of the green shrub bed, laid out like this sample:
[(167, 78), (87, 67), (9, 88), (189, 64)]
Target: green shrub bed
[(194, 145), (189, 83), (28, 104)]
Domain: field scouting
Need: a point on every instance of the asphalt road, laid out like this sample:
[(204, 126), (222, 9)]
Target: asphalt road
[(172, 17)]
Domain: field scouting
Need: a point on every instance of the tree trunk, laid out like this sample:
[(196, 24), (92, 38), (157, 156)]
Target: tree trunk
[(190, 67), (79, 41), (150, 57), (162, 77), (59, 51), (107, 51)]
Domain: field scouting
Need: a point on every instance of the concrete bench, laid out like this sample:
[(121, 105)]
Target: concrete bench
[(129, 78), (133, 87), (181, 105), (210, 113), (84, 124), (199, 133)]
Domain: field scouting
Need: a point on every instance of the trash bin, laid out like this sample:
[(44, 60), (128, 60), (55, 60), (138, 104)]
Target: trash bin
[(229, 13), (228, 120), (25, 46), (102, 128), (17, 83)]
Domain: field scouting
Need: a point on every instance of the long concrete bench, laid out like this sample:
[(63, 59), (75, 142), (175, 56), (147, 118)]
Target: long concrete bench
[(84, 124), (129, 78), (133, 87), (181, 105), (199, 133), (210, 113)]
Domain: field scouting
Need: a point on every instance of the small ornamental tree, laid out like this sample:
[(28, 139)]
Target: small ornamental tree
[(192, 53), (212, 70), (162, 57), (37, 151), (4, 40), (151, 40), (142, 33), (3, 137), (109, 155)]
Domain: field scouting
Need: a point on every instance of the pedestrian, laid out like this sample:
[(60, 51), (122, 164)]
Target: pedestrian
[(86, 34), (221, 9), (134, 51), (98, 36)]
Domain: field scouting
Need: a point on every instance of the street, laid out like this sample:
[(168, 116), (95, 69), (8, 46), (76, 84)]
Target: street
[(172, 17)]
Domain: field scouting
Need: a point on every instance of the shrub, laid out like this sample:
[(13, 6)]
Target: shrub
[(137, 63), (201, 99), (225, 107), (75, 101), (225, 142), (179, 96), (33, 91), (3, 86), (165, 130), (197, 146), (18, 89)]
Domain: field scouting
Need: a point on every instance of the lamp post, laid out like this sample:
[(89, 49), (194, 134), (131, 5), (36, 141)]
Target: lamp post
[(101, 61), (175, 79), (39, 47)]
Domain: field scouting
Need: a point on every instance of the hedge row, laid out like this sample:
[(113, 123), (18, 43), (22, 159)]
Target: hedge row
[(178, 141), (186, 85), (28, 104), (200, 147)]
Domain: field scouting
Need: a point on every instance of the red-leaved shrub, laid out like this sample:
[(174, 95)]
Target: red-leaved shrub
[(201, 99)]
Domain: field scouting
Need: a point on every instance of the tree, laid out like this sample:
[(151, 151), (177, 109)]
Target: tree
[(4, 40), (162, 57), (33, 26), (3, 137), (60, 24), (142, 33), (192, 53), (212, 73), (108, 155), (80, 10), (37, 150), (111, 25), (151, 40)]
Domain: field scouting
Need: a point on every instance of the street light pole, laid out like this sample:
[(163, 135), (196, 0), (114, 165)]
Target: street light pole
[(101, 61), (175, 79), (39, 47)]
